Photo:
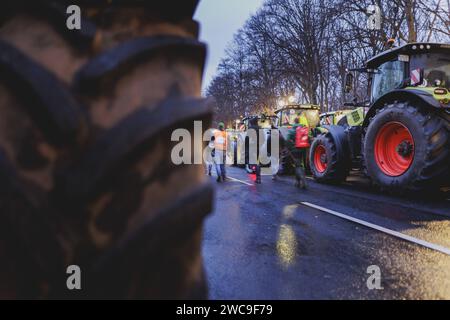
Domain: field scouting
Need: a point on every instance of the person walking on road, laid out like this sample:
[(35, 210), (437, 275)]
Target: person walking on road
[(254, 146), (298, 144), (220, 149), (274, 158), (209, 159)]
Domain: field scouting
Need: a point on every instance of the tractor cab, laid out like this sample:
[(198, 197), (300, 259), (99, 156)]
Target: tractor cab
[(238, 143), (287, 115), (264, 121), (423, 68)]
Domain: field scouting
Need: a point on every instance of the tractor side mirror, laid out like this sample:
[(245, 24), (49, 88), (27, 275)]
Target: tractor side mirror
[(348, 82)]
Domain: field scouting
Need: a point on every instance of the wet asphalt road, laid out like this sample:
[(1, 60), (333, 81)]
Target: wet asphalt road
[(262, 242)]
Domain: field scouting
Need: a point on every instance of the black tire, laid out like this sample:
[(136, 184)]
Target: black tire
[(336, 170), (430, 154), (86, 174)]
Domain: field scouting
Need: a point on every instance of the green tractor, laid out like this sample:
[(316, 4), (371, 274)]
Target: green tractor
[(286, 117), (403, 142), (237, 138)]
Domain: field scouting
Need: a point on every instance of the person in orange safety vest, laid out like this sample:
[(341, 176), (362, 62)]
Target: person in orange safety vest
[(220, 148)]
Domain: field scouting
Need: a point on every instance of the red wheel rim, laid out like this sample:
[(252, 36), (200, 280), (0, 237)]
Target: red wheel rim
[(394, 149), (320, 158)]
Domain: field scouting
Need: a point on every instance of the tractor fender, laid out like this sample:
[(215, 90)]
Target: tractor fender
[(413, 95), (340, 138)]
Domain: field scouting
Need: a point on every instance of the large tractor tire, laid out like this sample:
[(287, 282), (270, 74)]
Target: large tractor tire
[(86, 175), (325, 163), (407, 148)]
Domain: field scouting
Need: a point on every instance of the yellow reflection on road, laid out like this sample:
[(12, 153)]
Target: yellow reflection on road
[(286, 245)]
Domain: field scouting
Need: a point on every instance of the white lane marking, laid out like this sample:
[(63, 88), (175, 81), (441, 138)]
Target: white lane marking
[(237, 180), (397, 234)]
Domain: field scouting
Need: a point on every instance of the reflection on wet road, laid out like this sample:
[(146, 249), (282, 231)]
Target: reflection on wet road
[(262, 243), (286, 245)]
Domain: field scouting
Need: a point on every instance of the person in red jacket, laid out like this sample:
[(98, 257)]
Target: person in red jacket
[(298, 144)]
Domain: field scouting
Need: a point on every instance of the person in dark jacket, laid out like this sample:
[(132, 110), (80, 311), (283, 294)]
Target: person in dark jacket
[(275, 158), (298, 155), (252, 140)]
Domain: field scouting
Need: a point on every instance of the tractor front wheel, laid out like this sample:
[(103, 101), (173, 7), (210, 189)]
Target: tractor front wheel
[(324, 161), (406, 148)]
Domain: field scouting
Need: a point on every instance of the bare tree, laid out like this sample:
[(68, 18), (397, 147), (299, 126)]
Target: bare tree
[(304, 47)]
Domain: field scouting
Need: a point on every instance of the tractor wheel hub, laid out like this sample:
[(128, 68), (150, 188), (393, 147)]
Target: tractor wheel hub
[(405, 149)]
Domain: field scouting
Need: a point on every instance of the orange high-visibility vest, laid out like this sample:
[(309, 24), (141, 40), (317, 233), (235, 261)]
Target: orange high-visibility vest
[(220, 142)]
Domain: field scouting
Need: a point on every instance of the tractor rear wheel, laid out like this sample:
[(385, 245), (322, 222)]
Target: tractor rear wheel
[(324, 161), (406, 148)]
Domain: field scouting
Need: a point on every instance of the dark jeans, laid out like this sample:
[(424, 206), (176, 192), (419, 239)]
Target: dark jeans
[(219, 159), (300, 165), (299, 157)]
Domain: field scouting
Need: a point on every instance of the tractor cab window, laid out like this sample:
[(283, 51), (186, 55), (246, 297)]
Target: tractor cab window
[(265, 123), (436, 69), (288, 116), (327, 120), (389, 76), (268, 122)]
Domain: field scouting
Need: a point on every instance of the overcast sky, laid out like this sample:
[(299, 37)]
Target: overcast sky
[(220, 20)]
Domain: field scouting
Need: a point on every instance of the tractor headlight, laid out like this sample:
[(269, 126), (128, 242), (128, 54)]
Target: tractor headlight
[(439, 91)]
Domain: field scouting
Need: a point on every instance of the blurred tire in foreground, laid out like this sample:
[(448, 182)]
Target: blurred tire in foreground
[(86, 176)]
